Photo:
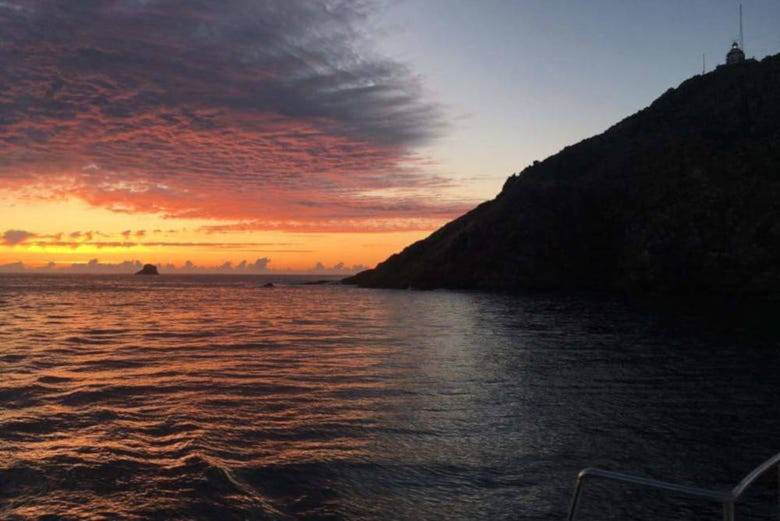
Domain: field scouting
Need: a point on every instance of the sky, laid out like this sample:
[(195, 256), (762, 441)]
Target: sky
[(310, 135)]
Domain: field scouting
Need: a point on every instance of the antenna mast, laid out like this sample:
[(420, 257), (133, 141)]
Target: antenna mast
[(741, 39)]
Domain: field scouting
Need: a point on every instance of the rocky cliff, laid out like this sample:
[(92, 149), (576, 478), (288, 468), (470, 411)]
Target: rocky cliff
[(681, 198)]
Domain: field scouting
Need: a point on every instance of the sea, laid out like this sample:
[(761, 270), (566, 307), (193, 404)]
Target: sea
[(200, 397)]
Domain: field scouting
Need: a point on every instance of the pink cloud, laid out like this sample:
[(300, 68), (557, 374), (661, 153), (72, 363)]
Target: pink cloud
[(257, 119)]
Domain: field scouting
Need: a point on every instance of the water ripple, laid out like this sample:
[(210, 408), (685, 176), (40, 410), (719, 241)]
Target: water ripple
[(204, 398)]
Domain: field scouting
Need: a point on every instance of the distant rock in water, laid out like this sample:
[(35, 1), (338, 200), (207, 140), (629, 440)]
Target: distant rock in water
[(681, 198), (148, 269), (269, 285)]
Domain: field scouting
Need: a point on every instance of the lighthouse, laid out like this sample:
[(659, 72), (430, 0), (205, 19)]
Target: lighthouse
[(737, 54)]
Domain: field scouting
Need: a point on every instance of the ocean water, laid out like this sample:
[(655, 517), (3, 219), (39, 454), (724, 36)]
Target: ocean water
[(211, 397)]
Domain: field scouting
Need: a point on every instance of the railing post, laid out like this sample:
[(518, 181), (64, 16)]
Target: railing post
[(728, 511), (727, 499), (575, 498)]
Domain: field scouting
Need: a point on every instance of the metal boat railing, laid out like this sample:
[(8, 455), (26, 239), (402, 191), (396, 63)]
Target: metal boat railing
[(726, 498)]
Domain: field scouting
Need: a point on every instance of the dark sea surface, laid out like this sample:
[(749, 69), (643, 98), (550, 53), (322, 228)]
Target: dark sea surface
[(211, 397)]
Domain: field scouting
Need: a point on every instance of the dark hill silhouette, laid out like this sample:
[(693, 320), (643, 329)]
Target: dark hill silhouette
[(681, 198)]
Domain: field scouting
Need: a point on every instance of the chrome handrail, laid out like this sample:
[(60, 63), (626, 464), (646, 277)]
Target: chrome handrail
[(726, 498)]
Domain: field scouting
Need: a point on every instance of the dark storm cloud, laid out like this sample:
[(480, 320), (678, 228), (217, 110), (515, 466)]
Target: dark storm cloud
[(299, 58)]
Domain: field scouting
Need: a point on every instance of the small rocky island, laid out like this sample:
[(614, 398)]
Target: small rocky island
[(148, 269), (683, 197)]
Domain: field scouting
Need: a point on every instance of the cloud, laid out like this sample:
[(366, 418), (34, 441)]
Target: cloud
[(278, 114), (13, 237), (270, 246), (80, 239), (260, 264), (95, 266), (257, 267)]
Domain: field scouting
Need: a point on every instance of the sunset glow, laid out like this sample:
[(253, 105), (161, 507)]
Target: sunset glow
[(304, 132), (74, 237), (239, 135), (388, 259)]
